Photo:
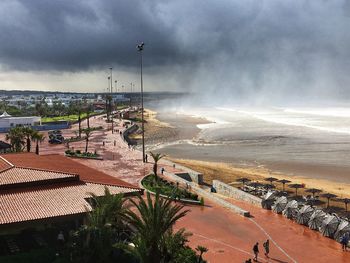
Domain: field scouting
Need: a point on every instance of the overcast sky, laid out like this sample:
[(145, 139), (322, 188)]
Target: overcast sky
[(267, 49)]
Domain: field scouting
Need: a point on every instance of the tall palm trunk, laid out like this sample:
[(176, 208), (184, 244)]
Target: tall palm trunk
[(37, 148), (88, 119), (79, 123), (87, 143), (28, 144)]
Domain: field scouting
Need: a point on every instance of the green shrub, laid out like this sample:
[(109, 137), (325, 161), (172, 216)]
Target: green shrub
[(78, 152), (202, 201)]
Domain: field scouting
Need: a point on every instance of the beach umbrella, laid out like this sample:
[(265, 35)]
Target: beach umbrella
[(313, 191), (304, 214), (268, 200), (271, 179), (280, 204), (283, 182), (329, 225), (243, 180), (296, 187), (328, 196), (269, 195), (346, 201), (343, 227), (316, 219), (291, 209)]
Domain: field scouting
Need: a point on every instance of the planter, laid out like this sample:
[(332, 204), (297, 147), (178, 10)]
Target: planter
[(183, 200), (84, 157)]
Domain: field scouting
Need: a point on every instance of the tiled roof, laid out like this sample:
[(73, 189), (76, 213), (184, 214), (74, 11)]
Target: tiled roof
[(59, 163), (4, 164), (18, 175), (36, 187), (50, 201)]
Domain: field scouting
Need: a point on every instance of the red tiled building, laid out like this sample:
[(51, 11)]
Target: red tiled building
[(51, 188)]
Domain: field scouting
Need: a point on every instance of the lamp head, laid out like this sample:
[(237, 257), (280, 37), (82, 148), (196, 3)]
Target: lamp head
[(140, 46)]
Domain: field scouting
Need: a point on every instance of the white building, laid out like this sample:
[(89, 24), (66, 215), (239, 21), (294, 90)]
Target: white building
[(7, 121)]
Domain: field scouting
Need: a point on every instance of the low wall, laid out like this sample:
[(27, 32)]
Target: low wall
[(188, 174), (44, 127), (230, 191), (126, 133), (210, 196)]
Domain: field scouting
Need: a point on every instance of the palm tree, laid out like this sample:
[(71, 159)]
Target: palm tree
[(112, 208), (38, 138), (151, 224), (79, 110), (16, 138), (156, 157), (93, 241), (28, 133), (88, 133), (108, 106), (201, 251)]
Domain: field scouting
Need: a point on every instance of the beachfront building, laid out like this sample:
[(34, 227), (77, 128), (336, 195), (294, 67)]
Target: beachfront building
[(7, 121), (49, 191)]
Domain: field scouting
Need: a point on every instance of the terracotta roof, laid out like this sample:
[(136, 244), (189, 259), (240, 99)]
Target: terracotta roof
[(59, 163), (4, 164), (18, 175), (50, 201)]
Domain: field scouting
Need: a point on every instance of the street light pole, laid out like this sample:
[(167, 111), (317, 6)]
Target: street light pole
[(116, 96), (140, 49), (111, 99), (111, 69)]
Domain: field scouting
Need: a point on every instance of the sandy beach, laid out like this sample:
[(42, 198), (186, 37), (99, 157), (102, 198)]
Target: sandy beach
[(313, 176)]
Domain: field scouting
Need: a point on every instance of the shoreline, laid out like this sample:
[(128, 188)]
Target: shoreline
[(212, 168)]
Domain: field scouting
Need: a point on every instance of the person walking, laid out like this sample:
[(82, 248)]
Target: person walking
[(267, 248), (256, 251), (344, 241)]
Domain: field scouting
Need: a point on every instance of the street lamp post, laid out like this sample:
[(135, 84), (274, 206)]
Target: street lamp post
[(140, 49), (116, 96), (111, 99)]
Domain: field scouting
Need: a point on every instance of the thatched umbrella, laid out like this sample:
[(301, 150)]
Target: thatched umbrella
[(296, 187), (280, 204), (313, 191), (271, 179), (316, 219), (344, 227), (346, 201), (268, 200), (330, 225), (291, 209), (304, 214), (283, 182), (243, 180), (328, 196)]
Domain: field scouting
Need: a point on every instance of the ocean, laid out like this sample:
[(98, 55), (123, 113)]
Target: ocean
[(303, 141)]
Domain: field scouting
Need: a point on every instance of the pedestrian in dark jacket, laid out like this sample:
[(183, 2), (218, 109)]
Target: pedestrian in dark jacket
[(256, 251), (267, 248)]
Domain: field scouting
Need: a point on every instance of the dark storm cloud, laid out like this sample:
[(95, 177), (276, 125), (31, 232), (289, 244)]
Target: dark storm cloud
[(275, 48)]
